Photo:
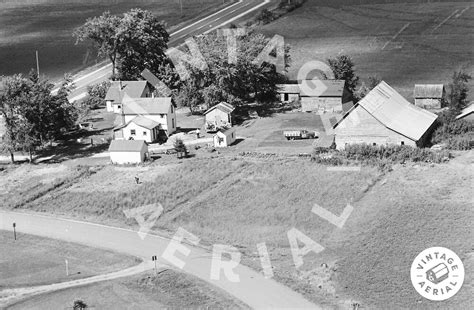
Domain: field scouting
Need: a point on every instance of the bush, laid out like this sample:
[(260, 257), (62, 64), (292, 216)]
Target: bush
[(456, 134), (265, 16), (97, 93), (382, 156), (180, 147)]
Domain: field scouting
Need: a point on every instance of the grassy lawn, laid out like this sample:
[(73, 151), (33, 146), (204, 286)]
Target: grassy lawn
[(32, 260), (266, 134), (47, 26), (427, 51), (242, 201), (168, 289)]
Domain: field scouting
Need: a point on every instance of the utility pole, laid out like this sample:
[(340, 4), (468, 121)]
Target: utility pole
[(181, 6), (14, 230), (37, 65)]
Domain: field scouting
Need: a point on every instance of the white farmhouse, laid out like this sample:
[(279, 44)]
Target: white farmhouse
[(160, 110), (127, 151), (139, 128)]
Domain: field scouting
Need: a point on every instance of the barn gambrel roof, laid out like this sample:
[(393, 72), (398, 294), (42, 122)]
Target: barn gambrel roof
[(395, 112)]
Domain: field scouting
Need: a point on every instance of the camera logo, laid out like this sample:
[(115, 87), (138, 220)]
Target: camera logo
[(437, 273)]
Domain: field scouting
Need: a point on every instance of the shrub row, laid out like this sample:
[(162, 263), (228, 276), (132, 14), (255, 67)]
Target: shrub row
[(378, 155)]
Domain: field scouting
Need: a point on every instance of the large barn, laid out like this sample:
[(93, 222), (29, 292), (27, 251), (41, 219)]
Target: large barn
[(429, 96), (384, 117), (324, 96)]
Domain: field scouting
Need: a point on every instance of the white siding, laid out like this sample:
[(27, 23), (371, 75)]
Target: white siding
[(122, 158), (361, 127), (109, 106), (140, 133), (219, 117)]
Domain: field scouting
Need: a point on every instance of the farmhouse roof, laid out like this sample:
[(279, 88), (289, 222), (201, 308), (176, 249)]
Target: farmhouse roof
[(323, 88), (428, 91), (126, 145), (223, 106), (145, 122), (395, 112), (119, 89), (146, 106), (466, 111), (289, 88)]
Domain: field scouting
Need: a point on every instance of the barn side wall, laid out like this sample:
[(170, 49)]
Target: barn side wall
[(321, 104), (361, 127)]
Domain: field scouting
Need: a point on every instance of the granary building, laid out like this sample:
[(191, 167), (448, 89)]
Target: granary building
[(224, 138), (384, 117), (324, 96), (429, 96), (220, 115)]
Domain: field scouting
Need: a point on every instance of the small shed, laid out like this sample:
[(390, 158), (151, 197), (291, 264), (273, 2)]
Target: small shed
[(467, 114), (289, 92), (224, 138), (128, 151), (429, 96), (220, 115), (324, 96)]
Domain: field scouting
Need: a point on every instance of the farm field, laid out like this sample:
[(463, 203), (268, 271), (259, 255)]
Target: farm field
[(168, 289), (403, 42), (31, 260), (47, 26), (242, 201)]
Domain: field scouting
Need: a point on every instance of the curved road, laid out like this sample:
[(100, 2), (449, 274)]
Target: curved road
[(253, 288), (211, 22)]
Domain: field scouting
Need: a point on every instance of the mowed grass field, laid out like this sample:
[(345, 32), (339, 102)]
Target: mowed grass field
[(243, 201), (47, 26), (31, 260), (167, 290), (403, 42)]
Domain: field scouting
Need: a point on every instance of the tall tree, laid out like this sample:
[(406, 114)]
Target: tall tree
[(236, 83), (32, 114), (365, 88), (458, 90), (145, 41), (134, 41), (106, 34), (343, 68)]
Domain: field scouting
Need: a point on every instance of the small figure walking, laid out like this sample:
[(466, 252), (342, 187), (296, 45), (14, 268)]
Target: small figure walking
[(137, 179), (198, 132)]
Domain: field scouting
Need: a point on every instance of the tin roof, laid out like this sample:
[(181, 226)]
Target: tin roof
[(223, 106), (323, 88), (145, 122), (118, 89), (127, 145), (145, 106), (395, 112), (226, 132), (466, 111), (289, 88), (428, 91)]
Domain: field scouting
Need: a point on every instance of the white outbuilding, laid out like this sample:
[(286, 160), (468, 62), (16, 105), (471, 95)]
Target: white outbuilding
[(128, 151), (224, 138)]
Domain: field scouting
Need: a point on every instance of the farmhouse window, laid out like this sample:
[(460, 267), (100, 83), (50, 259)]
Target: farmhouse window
[(402, 143), (132, 132), (374, 144), (172, 122), (286, 97), (162, 115), (144, 133)]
